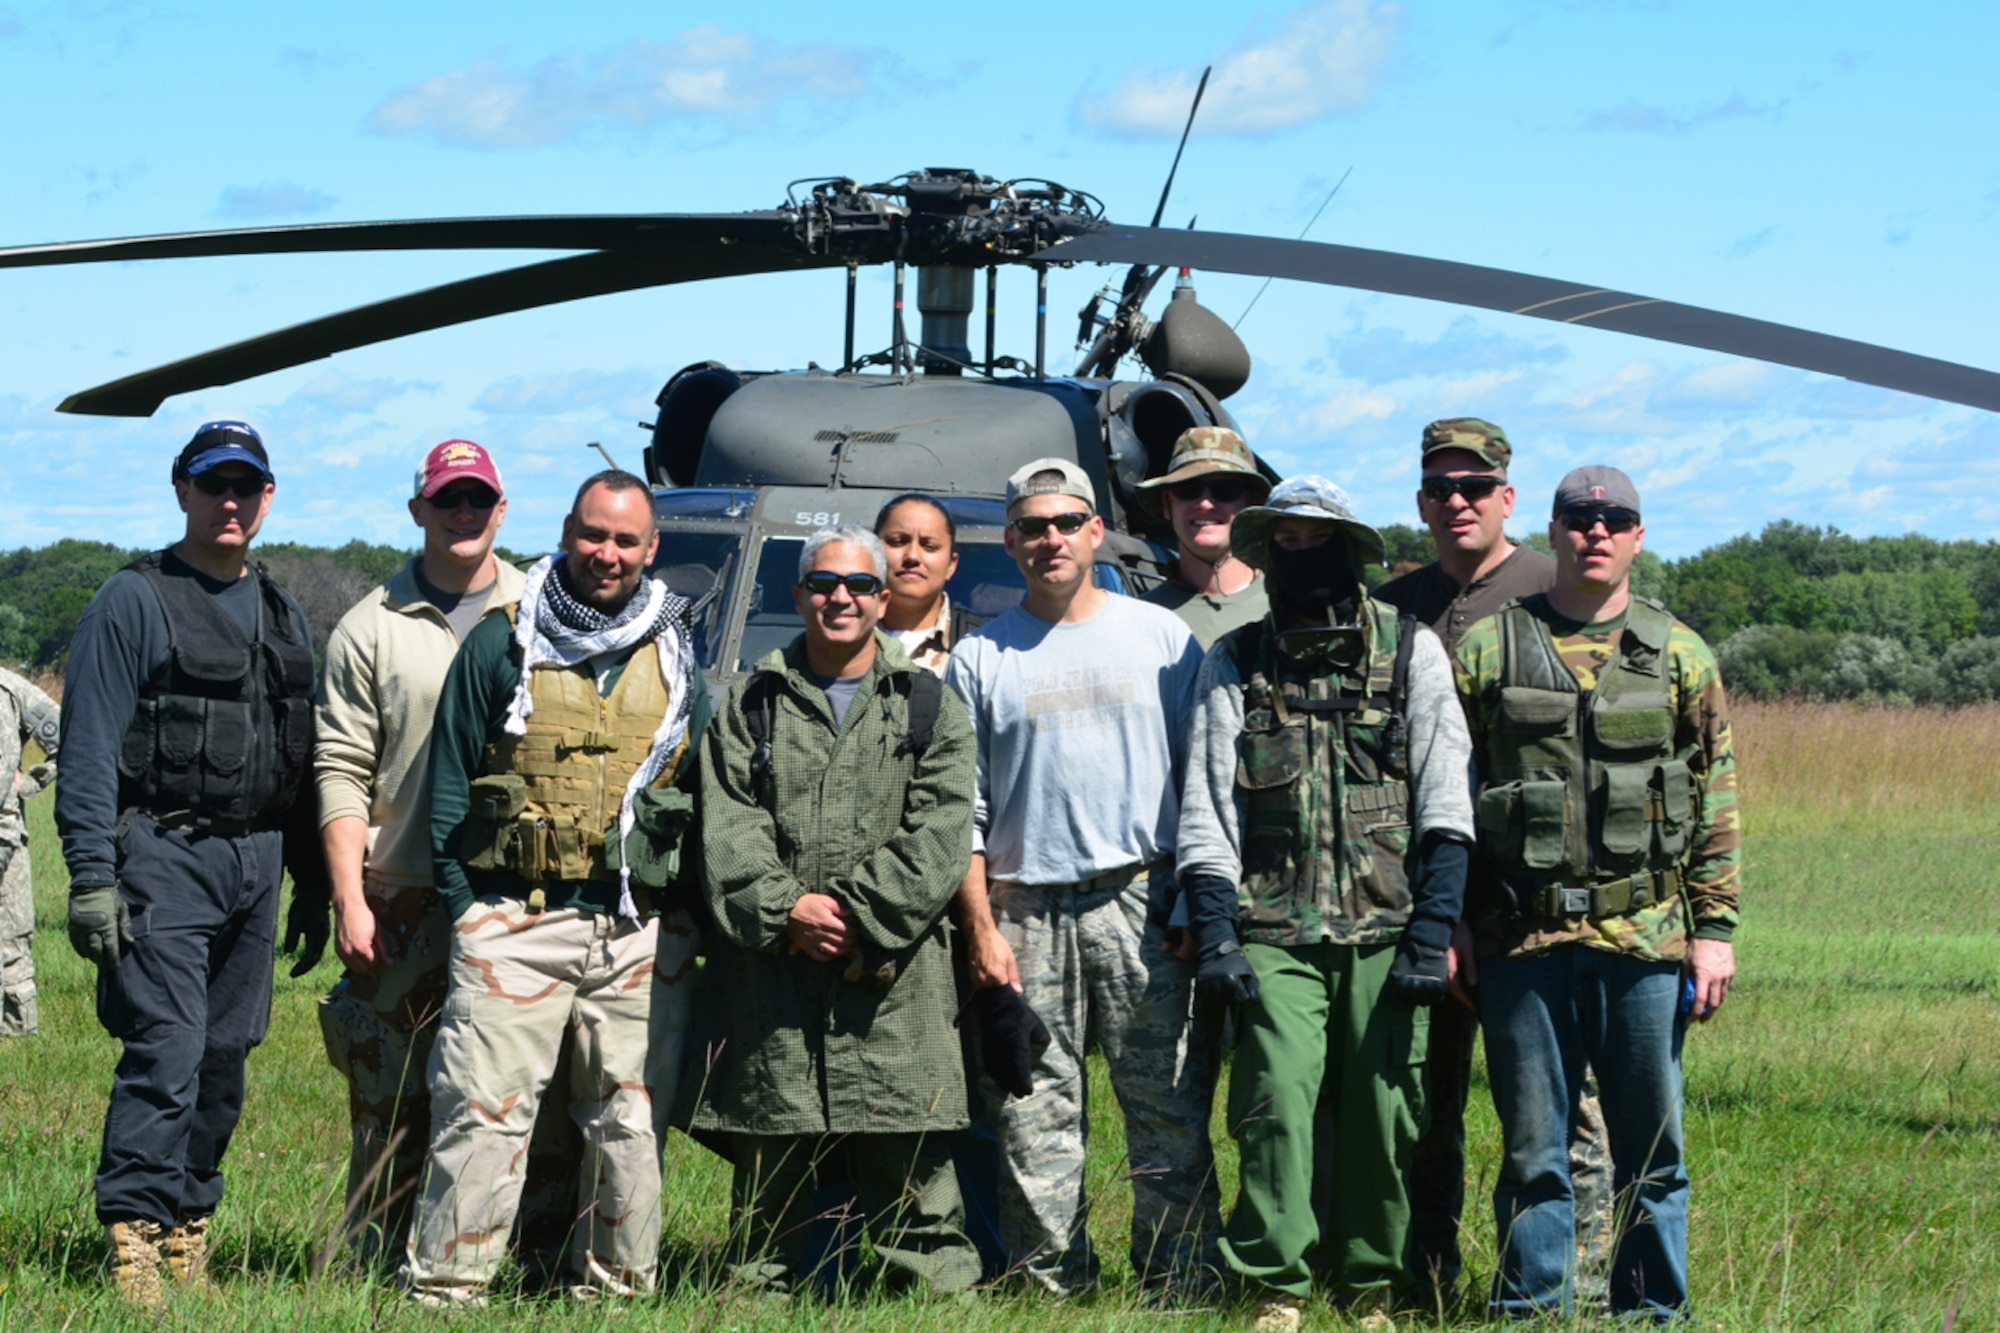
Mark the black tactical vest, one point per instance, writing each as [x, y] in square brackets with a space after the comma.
[223, 732]
[1587, 804]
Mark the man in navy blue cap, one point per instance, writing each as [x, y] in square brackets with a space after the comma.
[187, 745]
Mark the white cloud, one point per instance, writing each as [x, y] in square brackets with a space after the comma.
[280, 199]
[705, 75]
[620, 392]
[1636, 117]
[1323, 60]
[337, 393]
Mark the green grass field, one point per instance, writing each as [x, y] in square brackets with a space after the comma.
[1843, 1111]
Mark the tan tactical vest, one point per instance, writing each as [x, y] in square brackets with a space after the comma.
[1586, 807]
[544, 802]
[1322, 761]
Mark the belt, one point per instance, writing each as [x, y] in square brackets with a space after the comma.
[1124, 875]
[1617, 897]
[200, 823]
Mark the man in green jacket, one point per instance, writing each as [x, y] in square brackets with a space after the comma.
[834, 833]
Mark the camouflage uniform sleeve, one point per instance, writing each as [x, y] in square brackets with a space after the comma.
[1475, 669]
[1717, 846]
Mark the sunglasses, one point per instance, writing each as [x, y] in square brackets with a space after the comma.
[822, 582]
[1474, 489]
[1615, 521]
[481, 498]
[213, 483]
[1222, 490]
[1032, 526]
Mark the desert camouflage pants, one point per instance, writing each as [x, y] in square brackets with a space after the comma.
[379, 1029]
[17, 944]
[1093, 968]
[518, 982]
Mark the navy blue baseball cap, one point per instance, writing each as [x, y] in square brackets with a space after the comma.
[219, 442]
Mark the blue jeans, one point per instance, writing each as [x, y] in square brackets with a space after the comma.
[1547, 1017]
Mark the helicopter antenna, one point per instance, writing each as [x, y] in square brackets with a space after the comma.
[609, 461]
[1302, 235]
[1186, 129]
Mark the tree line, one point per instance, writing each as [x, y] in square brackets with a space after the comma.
[1795, 611]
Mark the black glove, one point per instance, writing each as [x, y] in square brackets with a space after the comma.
[1418, 976]
[1224, 975]
[308, 923]
[1221, 971]
[1011, 1036]
[100, 924]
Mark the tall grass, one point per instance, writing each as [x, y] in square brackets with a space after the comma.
[1843, 1109]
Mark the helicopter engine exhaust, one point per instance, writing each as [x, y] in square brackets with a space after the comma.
[944, 299]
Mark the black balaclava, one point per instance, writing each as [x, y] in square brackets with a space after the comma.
[1316, 580]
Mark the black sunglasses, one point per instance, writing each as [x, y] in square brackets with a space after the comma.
[481, 498]
[1032, 526]
[822, 582]
[1222, 490]
[214, 483]
[1474, 489]
[1615, 521]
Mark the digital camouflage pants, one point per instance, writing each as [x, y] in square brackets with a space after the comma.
[1093, 967]
[518, 982]
[379, 1029]
[17, 944]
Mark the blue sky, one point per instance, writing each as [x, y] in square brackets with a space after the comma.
[1834, 166]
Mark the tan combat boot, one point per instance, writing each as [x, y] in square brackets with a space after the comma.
[184, 1251]
[135, 1261]
[1277, 1312]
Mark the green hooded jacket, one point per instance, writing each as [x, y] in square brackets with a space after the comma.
[784, 1044]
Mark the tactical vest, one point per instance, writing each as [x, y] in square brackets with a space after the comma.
[1323, 762]
[223, 732]
[1587, 806]
[544, 802]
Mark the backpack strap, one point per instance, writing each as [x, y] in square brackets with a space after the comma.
[926, 697]
[760, 715]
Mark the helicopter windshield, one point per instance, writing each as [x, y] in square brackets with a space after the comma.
[987, 582]
[697, 566]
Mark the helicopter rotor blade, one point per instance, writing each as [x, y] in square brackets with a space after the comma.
[525, 288]
[572, 232]
[1540, 298]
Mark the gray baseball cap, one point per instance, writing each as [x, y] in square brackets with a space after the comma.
[1593, 487]
[1306, 496]
[1075, 482]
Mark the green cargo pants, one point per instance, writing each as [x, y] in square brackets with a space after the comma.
[1321, 1020]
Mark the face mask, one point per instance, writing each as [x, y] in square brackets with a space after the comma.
[1314, 581]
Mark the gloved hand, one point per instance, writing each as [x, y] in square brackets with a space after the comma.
[1011, 1037]
[1225, 975]
[1419, 975]
[1221, 971]
[308, 923]
[100, 924]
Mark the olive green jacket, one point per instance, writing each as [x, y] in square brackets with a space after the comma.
[784, 1044]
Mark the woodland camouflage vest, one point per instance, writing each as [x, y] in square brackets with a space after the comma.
[1586, 806]
[1322, 762]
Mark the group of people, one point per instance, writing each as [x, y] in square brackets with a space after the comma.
[929, 864]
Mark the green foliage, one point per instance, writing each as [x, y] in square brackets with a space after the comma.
[1407, 545]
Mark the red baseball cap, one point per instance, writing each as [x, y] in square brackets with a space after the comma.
[454, 460]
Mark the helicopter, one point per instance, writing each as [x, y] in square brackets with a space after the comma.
[746, 464]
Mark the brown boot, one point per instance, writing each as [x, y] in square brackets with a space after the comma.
[135, 1261]
[184, 1251]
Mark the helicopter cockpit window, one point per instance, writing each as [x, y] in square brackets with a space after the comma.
[987, 583]
[697, 566]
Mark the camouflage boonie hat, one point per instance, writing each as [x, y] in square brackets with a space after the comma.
[1301, 497]
[1200, 451]
[1482, 438]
